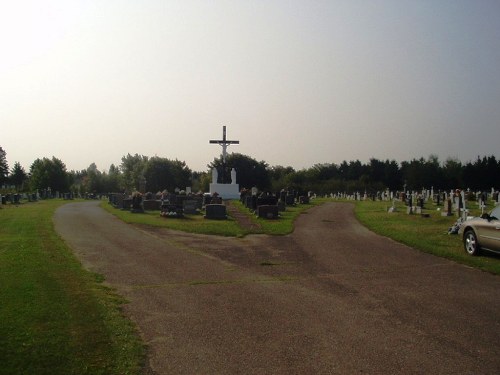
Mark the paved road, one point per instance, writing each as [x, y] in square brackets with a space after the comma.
[332, 298]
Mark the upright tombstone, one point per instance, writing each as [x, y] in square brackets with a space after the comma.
[215, 212]
[447, 208]
[267, 211]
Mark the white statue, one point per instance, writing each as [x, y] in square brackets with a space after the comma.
[215, 175]
[233, 176]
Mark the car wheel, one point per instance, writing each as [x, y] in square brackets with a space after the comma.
[470, 242]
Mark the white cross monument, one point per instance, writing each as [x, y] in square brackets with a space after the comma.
[226, 191]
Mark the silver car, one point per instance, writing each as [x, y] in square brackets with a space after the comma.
[482, 233]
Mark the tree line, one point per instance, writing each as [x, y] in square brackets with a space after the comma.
[139, 172]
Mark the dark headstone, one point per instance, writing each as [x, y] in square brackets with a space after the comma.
[251, 202]
[304, 199]
[190, 207]
[126, 204]
[268, 200]
[215, 211]
[137, 204]
[151, 205]
[447, 208]
[216, 200]
[119, 201]
[207, 199]
[281, 206]
[267, 211]
[290, 200]
[170, 210]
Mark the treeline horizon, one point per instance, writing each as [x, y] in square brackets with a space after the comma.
[158, 174]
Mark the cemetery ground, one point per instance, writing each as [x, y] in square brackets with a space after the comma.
[56, 317]
[249, 304]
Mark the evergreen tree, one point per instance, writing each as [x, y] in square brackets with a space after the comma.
[4, 167]
[18, 176]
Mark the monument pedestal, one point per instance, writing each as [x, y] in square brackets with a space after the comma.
[226, 191]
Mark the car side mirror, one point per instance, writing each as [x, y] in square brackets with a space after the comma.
[485, 216]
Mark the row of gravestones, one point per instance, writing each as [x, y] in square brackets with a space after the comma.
[16, 198]
[10, 198]
[269, 206]
[173, 205]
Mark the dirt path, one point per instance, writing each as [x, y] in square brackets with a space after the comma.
[332, 298]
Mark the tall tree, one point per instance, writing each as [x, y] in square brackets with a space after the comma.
[133, 167]
[18, 176]
[162, 173]
[4, 167]
[49, 173]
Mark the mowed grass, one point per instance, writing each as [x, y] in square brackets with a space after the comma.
[285, 223]
[426, 234]
[56, 318]
[229, 228]
[188, 223]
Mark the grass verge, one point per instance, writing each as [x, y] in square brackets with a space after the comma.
[283, 225]
[426, 234]
[56, 317]
[229, 228]
[189, 223]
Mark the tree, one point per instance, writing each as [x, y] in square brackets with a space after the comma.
[113, 180]
[18, 176]
[49, 173]
[278, 175]
[4, 167]
[162, 173]
[250, 172]
[132, 168]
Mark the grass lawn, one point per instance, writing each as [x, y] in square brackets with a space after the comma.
[229, 228]
[188, 223]
[56, 318]
[426, 234]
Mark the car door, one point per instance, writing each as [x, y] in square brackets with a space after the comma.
[490, 231]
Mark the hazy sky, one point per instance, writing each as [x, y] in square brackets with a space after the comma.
[296, 82]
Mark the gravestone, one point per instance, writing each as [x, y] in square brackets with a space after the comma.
[137, 204]
[267, 211]
[118, 201]
[251, 202]
[447, 208]
[281, 206]
[215, 212]
[207, 199]
[126, 204]
[393, 207]
[170, 210]
[266, 200]
[290, 200]
[303, 199]
[151, 205]
[190, 207]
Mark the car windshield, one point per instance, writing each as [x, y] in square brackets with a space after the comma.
[495, 214]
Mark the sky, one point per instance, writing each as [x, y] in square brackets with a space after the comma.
[296, 82]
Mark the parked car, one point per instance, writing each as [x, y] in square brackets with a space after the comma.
[482, 233]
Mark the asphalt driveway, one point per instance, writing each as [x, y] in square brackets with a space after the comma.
[331, 298]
